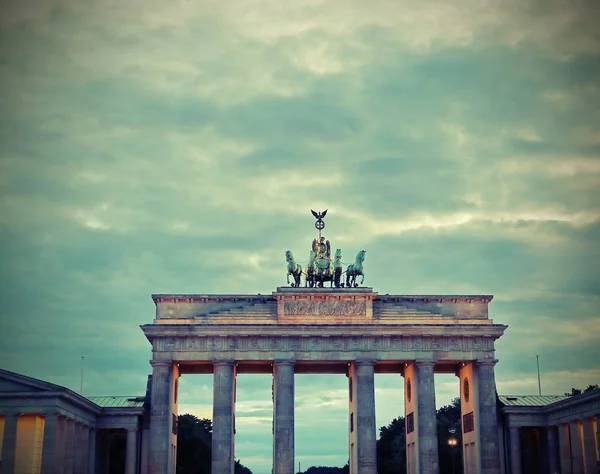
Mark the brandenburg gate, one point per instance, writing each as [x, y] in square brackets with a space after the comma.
[350, 330]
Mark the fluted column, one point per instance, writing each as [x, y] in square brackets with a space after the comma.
[565, 449]
[576, 447]
[92, 445]
[283, 423]
[553, 450]
[421, 422]
[489, 443]
[77, 447]
[9, 445]
[50, 446]
[131, 451]
[589, 446]
[223, 417]
[363, 404]
[161, 418]
[426, 420]
[514, 434]
[69, 446]
[84, 449]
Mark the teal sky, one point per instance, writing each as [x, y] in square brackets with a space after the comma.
[178, 147]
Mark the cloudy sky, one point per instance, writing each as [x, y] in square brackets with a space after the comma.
[177, 147]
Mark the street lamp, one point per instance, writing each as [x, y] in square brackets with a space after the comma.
[452, 442]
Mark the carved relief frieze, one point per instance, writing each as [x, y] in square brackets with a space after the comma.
[233, 343]
[337, 343]
[436, 344]
[417, 343]
[376, 343]
[355, 344]
[396, 343]
[277, 344]
[316, 344]
[195, 343]
[295, 343]
[216, 343]
[453, 343]
[325, 308]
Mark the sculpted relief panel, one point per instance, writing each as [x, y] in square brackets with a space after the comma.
[324, 308]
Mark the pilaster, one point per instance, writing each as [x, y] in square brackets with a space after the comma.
[223, 417]
[488, 418]
[9, 444]
[283, 422]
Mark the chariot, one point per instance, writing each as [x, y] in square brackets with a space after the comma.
[321, 267]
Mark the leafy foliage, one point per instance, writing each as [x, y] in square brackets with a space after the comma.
[391, 446]
[578, 391]
[194, 438]
[327, 470]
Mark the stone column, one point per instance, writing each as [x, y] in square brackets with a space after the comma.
[364, 416]
[589, 446]
[426, 420]
[131, 452]
[9, 444]
[576, 447]
[553, 450]
[50, 446]
[283, 423]
[77, 447]
[514, 434]
[92, 446]
[564, 442]
[69, 446]
[161, 418]
[223, 417]
[84, 449]
[488, 418]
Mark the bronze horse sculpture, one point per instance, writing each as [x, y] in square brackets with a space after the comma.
[355, 269]
[293, 269]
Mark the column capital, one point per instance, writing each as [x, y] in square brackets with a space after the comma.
[291, 362]
[132, 429]
[486, 362]
[368, 362]
[425, 363]
[160, 363]
[223, 362]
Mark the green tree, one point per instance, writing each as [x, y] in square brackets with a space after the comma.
[326, 470]
[391, 448]
[194, 439]
[449, 427]
[391, 445]
[578, 391]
